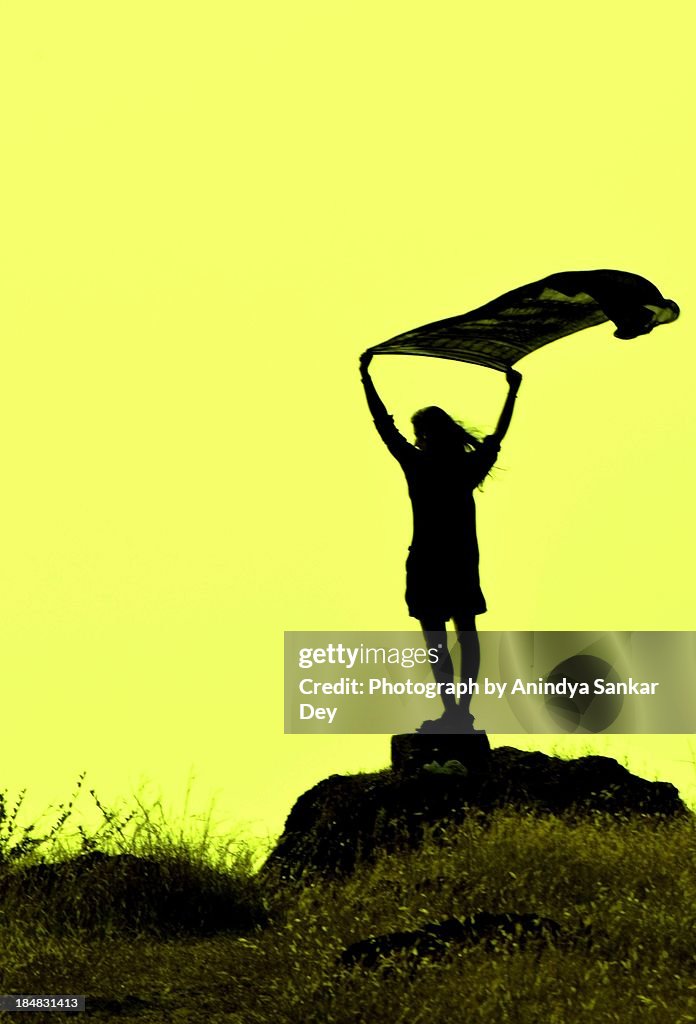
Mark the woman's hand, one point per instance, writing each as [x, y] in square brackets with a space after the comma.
[514, 379]
[365, 360]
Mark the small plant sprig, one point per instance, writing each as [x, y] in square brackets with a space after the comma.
[15, 840]
[18, 841]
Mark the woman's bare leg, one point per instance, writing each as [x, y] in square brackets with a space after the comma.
[471, 656]
[435, 635]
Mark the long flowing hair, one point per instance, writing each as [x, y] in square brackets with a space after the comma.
[445, 433]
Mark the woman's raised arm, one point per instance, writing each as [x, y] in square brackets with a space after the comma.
[395, 442]
[514, 379]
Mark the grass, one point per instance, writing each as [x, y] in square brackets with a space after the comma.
[131, 876]
[223, 948]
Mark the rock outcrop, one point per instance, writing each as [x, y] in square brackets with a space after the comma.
[495, 931]
[437, 781]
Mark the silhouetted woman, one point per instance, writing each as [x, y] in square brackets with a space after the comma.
[442, 579]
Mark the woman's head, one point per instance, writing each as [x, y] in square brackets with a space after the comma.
[436, 431]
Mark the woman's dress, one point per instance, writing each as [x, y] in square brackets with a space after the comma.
[442, 568]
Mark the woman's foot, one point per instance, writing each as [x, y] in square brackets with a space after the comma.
[456, 721]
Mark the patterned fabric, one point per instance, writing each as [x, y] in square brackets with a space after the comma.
[500, 333]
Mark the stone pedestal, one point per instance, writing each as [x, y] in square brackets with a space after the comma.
[411, 751]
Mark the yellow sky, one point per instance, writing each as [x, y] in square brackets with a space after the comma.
[208, 211]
